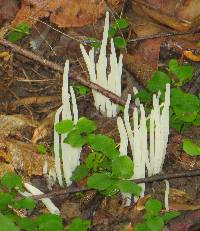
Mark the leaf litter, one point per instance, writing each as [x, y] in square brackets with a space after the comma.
[141, 59]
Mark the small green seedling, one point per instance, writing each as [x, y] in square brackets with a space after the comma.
[19, 32]
[78, 224]
[191, 148]
[182, 72]
[153, 221]
[10, 206]
[185, 107]
[41, 148]
[81, 90]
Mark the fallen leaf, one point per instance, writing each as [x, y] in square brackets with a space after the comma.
[191, 56]
[8, 9]
[5, 55]
[71, 13]
[11, 124]
[4, 167]
[44, 129]
[141, 202]
[182, 206]
[24, 157]
[179, 15]
[33, 100]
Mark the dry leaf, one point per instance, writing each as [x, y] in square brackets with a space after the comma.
[70, 13]
[11, 124]
[179, 15]
[45, 128]
[4, 167]
[24, 157]
[182, 206]
[5, 55]
[191, 56]
[33, 100]
[8, 9]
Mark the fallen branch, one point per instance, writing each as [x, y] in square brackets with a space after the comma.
[142, 180]
[169, 34]
[113, 97]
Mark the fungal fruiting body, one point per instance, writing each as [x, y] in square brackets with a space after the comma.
[146, 155]
[98, 73]
[70, 155]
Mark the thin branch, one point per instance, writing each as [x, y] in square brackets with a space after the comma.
[113, 97]
[142, 180]
[169, 34]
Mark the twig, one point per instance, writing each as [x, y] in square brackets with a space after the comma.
[113, 97]
[142, 180]
[169, 34]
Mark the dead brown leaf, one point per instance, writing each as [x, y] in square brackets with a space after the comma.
[8, 9]
[24, 157]
[71, 13]
[4, 167]
[182, 206]
[10, 124]
[33, 100]
[44, 129]
[179, 15]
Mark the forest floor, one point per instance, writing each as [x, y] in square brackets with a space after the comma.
[30, 93]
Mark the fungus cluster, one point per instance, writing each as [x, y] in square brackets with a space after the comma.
[98, 73]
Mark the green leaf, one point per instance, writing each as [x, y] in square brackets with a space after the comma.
[111, 32]
[27, 224]
[18, 32]
[85, 125]
[94, 42]
[104, 144]
[120, 42]
[64, 126]
[12, 180]
[100, 181]
[176, 123]
[5, 200]
[7, 224]
[198, 44]
[158, 82]
[80, 172]
[185, 106]
[141, 227]
[173, 64]
[49, 222]
[81, 89]
[122, 167]
[79, 225]
[129, 187]
[75, 139]
[197, 120]
[93, 160]
[121, 23]
[144, 96]
[182, 72]
[170, 215]
[25, 203]
[191, 148]
[153, 207]
[155, 223]
[41, 148]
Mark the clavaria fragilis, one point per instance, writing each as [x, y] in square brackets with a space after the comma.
[70, 155]
[98, 73]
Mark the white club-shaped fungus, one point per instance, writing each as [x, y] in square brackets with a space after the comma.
[147, 156]
[70, 155]
[98, 73]
[46, 201]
